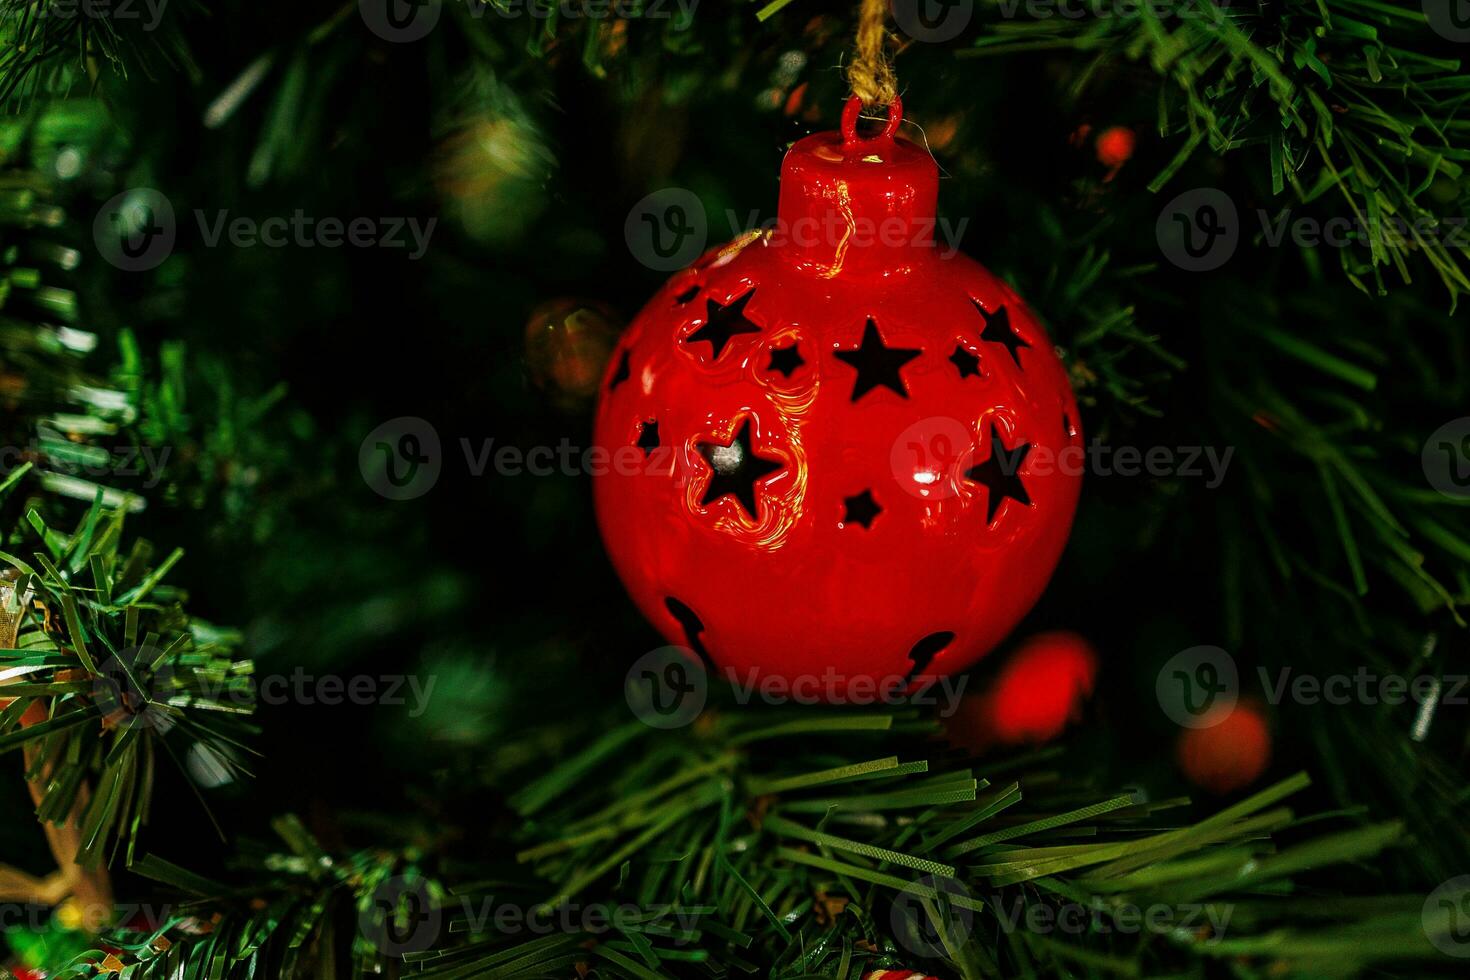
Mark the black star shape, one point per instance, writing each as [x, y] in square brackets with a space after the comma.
[786, 360]
[998, 331]
[861, 508]
[623, 373]
[735, 469]
[876, 364]
[723, 322]
[648, 437]
[1000, 475]
[967, 363]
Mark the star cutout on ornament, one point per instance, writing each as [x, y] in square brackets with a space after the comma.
[967, 363]
[723, 322]
[877, 365]
[692, 626]
[860, 508]
[926, 650]
[623, 372]
[998, 330]
[735, 469]
[648, 437]
[786, 360]
[1000, 475]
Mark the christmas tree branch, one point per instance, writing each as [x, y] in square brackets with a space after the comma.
[804, 845]
[1359, 107]
[102, 667]
[51, 48]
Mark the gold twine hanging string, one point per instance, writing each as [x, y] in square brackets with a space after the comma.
[871, 75]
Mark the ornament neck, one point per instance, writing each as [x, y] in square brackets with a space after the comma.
[856, 205]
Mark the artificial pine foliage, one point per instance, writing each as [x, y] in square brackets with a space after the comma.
[184, 446]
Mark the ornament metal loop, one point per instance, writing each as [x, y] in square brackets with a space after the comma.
[850, 113]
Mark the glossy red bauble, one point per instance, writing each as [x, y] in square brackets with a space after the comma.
[838, 447]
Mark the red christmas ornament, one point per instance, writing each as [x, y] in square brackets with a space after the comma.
[1037, 694]
[838, 447]
[1043, 687]
[1229, 754]
[1115, 146]
[567, 346]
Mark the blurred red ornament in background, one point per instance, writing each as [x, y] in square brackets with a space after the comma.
[858, 455]
[794, 100]
[1039, 691]
[568, 343]
[1043, 687]
[1228, 754]
[1115, 147]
